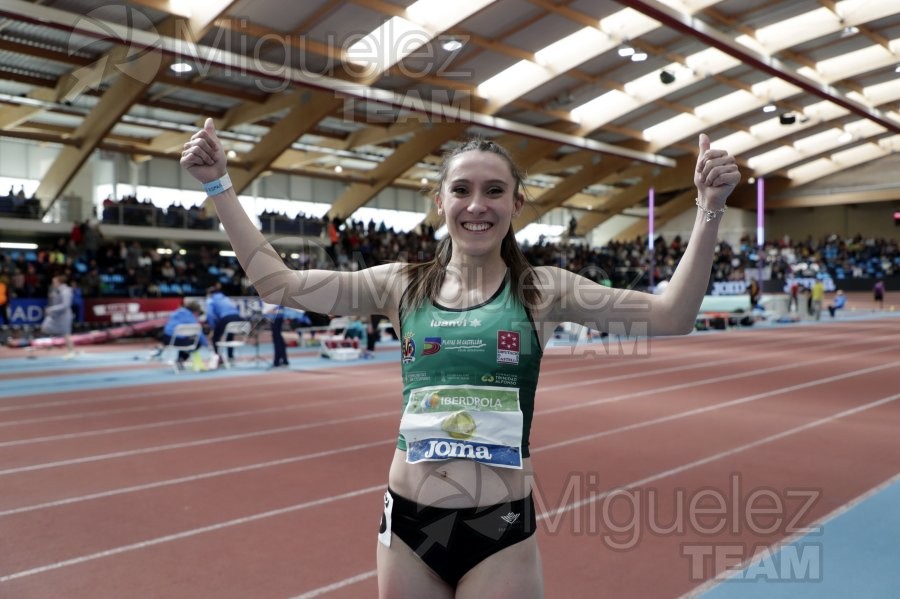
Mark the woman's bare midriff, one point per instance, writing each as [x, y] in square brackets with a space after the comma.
[458, 483]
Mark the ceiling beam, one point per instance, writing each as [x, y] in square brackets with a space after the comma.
[565, 189]
[310, 107]
[428, 139]
[137, 72]
[664, 214]
[702, 32]
[833, 198]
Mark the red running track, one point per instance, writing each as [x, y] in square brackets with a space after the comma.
[271, 486]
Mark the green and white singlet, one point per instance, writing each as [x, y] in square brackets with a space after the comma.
[469, 379]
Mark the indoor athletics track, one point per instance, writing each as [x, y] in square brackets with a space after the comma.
[760, 462]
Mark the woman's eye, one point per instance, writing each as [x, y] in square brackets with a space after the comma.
[495, 191]
[458, 190]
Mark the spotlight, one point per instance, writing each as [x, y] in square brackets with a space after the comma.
[770, 108]
[451, 44]
[786, 118]
[666, 77]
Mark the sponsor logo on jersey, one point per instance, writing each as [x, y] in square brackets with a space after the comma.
[502, 378]
[431, 346]
[408, 349]
[451, 449]
[463, 322]
[507, 347]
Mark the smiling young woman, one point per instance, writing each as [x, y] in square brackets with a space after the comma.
[458, 516]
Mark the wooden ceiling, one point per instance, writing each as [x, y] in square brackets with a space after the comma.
[381, 88]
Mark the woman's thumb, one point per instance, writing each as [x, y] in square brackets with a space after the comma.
[704, 142]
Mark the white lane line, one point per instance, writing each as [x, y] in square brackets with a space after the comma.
[197, 443]
[766, 341]
[195, 477]
[191, 533]
[164, 423]
[709, 381]
[200, 442]
[593, 436]
[96, 432]
[644, 481]
[337, 585]
[252, 385]
[722, 454]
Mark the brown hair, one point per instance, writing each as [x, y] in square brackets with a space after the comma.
[425, 278]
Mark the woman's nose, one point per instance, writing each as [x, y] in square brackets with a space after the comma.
[477, 203]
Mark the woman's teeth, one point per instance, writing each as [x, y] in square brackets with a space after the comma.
[476, 226]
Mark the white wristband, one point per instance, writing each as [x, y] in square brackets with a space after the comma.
[710, 214]
[214, 188]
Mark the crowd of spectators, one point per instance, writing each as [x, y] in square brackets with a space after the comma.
[17, 205]
[117, 267]
[131, 211]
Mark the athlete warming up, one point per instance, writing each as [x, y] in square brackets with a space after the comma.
[459, 518]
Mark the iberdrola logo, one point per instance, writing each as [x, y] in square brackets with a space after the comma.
[408, 349]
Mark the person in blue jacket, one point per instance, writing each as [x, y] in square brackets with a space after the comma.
[187, 314]
[840, 300]
[219, 312]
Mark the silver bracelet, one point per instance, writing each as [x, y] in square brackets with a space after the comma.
[710, 214]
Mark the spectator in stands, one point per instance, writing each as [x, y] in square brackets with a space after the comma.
[58, 314]
[793, 294]
[840, 300]
[186, 314]
[77, 302]
[275, 314]
[220, 310]
[4, 299]
[878, 294]
[753, 292]
[817, 296]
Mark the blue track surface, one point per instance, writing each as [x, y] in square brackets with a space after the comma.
[855, 555]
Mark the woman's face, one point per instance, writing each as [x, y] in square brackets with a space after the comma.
[478, 199]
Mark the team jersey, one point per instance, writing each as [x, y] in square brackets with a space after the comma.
[469, 379]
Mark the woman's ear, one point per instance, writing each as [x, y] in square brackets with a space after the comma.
[439, 204]
[518, 202]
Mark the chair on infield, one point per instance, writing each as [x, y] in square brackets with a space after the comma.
[235, 335]
[185, 338]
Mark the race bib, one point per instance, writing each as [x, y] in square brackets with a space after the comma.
[483, 424]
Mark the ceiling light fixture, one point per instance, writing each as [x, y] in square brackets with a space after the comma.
[787, 118]
[339, 169]
[849, 30]
[452, 44]
[181, 67]
[639, 57]
[770, 108]
[626, 51]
